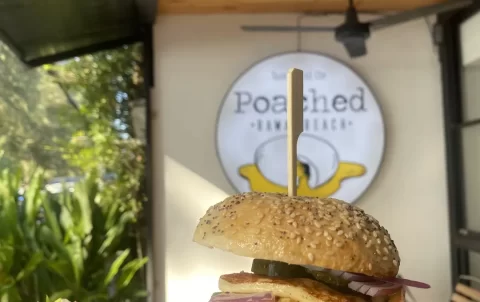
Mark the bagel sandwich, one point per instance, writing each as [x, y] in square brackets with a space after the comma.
[304, 249]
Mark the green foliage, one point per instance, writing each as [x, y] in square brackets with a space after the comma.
[34, 117]
[65, 246]
[72, 118]
[104, 84]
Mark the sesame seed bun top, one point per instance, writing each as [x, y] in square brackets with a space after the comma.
[323, 232]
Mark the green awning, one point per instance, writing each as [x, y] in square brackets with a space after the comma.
[43, 31]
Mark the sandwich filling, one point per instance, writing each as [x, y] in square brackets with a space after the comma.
[273, 281]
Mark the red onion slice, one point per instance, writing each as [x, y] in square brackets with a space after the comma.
[345, 275]
[356, 277]
[364, 278]
[406, 282]
[374, 289]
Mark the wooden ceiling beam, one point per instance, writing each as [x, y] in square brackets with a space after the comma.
[284, 6]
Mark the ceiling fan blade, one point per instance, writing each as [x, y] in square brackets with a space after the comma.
[420, 12]
[356, 48]
[288, 28]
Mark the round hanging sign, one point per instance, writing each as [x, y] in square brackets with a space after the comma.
[340, 149]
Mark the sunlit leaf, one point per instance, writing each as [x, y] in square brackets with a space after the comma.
[61, 295]
[129, 271]
[115, 267]
[31, 265]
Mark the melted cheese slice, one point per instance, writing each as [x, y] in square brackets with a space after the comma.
[300, 290]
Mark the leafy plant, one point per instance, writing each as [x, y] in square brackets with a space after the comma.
[35, 117]
[72, 119]
[104, 85]
[65, 246]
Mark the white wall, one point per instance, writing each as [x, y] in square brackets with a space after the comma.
[470, 40]
[198, 57]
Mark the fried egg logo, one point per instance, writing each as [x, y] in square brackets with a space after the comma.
[341, 148]
[320, 171]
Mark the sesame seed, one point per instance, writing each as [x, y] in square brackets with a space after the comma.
[379, 252]
[311, 257]
[304, 216]
[299, 239]
[385, 258]
[395, 262]
[370, 266]
[339, 244]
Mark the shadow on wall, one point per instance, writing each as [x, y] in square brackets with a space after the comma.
[192, 270]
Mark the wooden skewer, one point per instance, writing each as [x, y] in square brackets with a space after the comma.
[294, 124]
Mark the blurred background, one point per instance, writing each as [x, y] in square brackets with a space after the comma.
[108, 141]
[73, 152]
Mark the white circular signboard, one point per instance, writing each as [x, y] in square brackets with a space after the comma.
[341, 148]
